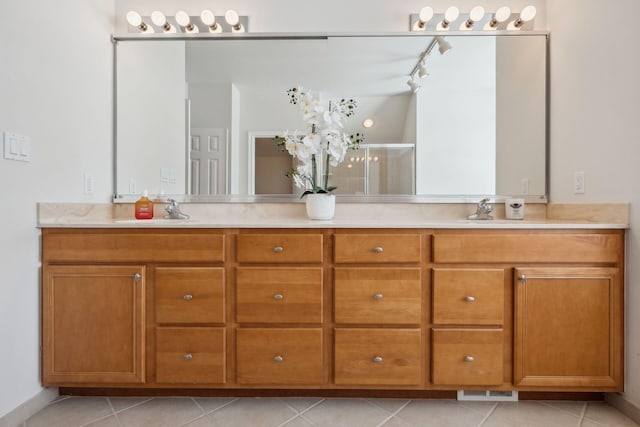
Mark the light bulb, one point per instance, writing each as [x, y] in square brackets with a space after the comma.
[182, 18]
[133, 18]
[526, 15]
[476, 14]
[158, 18]
[425, 15]
[502, 14]
[232, 17]
[451, 14]
[367, 123]
[208, 18]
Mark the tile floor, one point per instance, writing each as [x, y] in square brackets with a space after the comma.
[304, 412]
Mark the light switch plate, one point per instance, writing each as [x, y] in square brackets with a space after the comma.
[17, 147]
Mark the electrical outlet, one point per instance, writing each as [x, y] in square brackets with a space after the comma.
[524, 186]
[88, 183]
[578, 183]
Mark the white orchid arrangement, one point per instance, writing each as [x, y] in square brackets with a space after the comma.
[324, 136]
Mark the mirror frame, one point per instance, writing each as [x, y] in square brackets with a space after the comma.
[189, 198]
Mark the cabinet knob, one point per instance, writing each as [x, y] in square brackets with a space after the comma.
[469, 298]
[522, 278]
[278, 297]
[378, 249]
[378, 359]
[469, 358]
[187, 356]
[278, 249]
[278, 358]
[187, 297]
[378, 297]
[137, 277]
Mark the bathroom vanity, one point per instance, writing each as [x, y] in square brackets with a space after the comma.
[333, 307]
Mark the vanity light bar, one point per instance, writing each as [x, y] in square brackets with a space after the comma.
[182, 22]
[476, 19]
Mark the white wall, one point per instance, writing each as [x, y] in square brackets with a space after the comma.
[595, 93]
[56, 86]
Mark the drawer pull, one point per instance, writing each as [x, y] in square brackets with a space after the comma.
[522, 278]
[378, 249]
[378, 297]
[378, 359]
[278, 297]
[188, 356]
[187, 297]
[137, 277]
[469, 298]
[278, 358]
[278, 249]
[469, 358]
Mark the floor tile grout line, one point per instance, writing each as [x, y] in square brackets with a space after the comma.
[307, 420]
[549, 405]
[311, 407]
[386, 420]
[198, 405]
[234, 399]
[104, 417]
[147, 399]
[491, 411]
[113, 409]
[288, 420]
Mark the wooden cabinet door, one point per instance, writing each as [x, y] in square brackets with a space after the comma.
[93, 324]
[569, 328]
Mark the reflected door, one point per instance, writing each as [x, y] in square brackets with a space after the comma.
[208, 161]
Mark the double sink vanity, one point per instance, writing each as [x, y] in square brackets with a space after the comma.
[255, 298]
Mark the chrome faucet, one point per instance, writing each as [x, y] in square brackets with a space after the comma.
[483, 210]
[173, 210]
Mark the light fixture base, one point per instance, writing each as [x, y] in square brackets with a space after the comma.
[195, 20]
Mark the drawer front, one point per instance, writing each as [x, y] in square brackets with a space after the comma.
[279, 356]
[129, 245]
[190, 355]
[529, 247]
[468, 296]
[467, 356]
[377, 248]
[378, 295]
[189, 295]
[378, 356]
[280, 248]
[279, 295]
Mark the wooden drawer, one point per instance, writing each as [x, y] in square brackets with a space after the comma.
[132, 245]
[467, 356]
[377, 248]
[378, 295]
[468, 296]
[280, 248]
[189, 295]
[190, 355]
[531, 247]
[378, 356]
[279, 356]
[279, 295]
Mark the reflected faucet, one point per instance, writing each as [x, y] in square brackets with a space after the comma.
[483, 210]
[173, 210]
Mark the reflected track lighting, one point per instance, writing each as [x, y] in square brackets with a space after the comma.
[415, 86]
[420, 68]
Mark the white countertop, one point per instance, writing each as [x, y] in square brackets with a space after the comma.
[353, 215]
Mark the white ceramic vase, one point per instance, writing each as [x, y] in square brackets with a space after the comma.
[320, 205]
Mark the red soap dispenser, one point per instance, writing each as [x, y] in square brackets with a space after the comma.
[144, 207]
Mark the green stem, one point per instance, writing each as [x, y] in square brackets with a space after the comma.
[314, 171]
[326, 173]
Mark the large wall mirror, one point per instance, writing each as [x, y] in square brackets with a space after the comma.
[196, 118]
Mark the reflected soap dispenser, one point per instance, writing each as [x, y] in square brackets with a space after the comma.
[144, 207]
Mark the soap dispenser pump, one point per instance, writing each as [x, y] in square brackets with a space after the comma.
[144, 207]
